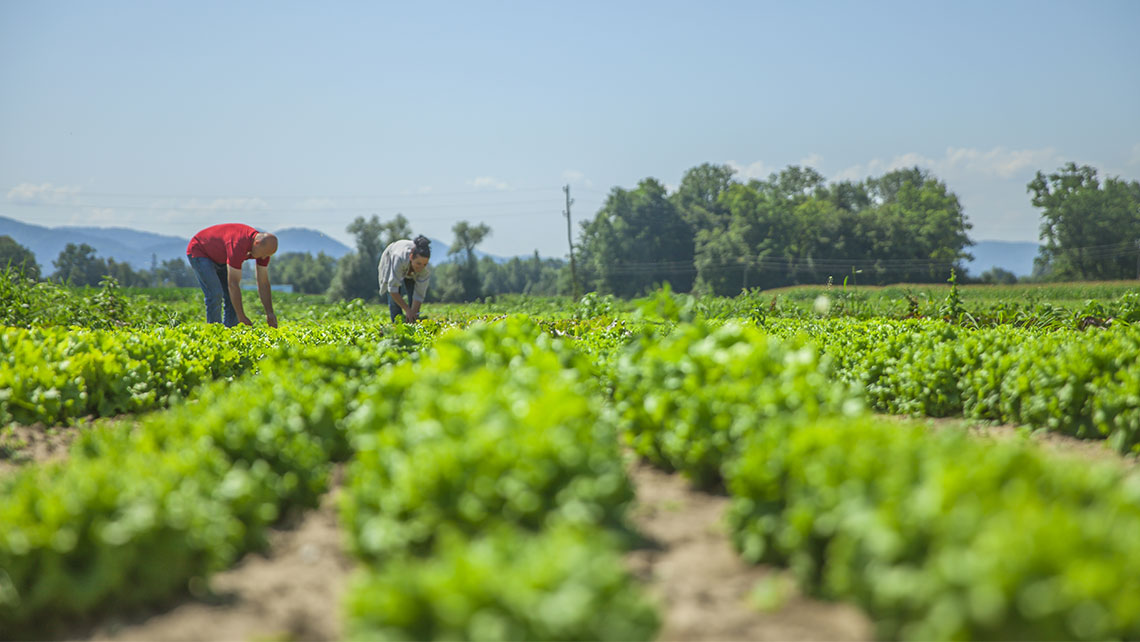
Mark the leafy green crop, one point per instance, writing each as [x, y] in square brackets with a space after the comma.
[495, 426]
[487, 496]
[563, 583]
[686, 400]
[1084, 384]
[944, 536]
[52, 375]
[28, 303]
[135, 513]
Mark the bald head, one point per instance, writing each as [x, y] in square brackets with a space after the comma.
[264, 244]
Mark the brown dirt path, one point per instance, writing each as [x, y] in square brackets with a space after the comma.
[20, 445]
[705, 590]
[689, 566]
[291, 593]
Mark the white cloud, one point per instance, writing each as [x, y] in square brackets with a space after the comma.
[29, 193]
[576, 177]
[761, 170]
[488, 182]
[812, 160]
[755, 170]
[1135, 159]
[877, 166]
[999, 163]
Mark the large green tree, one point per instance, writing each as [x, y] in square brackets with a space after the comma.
[729, 254]
[765, 232]
[637, 240]
[18, 257]
[922, 227]
[698, 197]
[1090, 229]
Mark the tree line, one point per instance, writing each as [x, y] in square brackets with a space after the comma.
[717, 234]
[457, 274]
[77, 264]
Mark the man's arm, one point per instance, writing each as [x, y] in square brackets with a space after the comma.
[266, 294]
[234, 278]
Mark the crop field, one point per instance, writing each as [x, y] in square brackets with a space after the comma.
[943, 463]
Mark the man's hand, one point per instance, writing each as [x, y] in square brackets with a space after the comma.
[271, 319]
[411, 317]
[244, 319]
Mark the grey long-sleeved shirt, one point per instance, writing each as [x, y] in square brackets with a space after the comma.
[395, 264]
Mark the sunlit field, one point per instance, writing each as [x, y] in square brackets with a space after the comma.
[491, 470]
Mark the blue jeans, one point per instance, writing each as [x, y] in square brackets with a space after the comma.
[407, 289]
[214, 281]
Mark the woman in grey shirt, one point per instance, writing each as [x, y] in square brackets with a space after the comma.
[404, 270]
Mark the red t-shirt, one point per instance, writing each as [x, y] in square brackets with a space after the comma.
[228, 244]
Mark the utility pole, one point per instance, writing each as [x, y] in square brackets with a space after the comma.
[570, 240]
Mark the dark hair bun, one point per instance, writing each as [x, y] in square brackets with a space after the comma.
[423, 246]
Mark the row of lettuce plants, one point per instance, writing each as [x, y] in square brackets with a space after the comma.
[487, 497]
[940, 535]
[484, 474]
[1083, 384]
[54, 375]
[936, 535]
[136, 512]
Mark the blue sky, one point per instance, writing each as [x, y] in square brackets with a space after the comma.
[171, 116]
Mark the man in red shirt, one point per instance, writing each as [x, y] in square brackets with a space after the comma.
[216, 254]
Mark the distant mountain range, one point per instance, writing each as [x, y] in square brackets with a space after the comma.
[121, 244]
[302, 239]
[139, 248]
